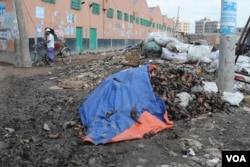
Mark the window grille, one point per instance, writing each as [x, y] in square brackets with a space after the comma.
[126, 16]
[132, 19]
[137, 20]
[119, 14]
[96, 8]
[76, 4]
[50, 1]
[110, 13]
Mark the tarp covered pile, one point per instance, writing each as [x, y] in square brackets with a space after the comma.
[107, 110]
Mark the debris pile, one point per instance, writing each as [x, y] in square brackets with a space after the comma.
[175, 82]
[172, 84]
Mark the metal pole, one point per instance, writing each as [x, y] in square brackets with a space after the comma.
[227, 45]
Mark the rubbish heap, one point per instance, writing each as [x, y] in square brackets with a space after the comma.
[177, 88]
[184, 87]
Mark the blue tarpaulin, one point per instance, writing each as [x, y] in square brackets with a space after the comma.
[120, 92]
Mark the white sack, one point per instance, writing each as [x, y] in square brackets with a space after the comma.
[150, 37]
[206, 60]
[243, 64]
[178, 46]
[164, 40]
[186, 46]
[215, 55]
[243, 59]
[242, 68]
[206, 87]
[213, 66]
[168, 55]
[195, 52]
[233, 98]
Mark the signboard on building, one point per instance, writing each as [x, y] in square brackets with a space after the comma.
[39, 12]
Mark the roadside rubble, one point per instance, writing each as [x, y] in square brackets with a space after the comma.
[190, 80]
[188, 89]
[31, 105]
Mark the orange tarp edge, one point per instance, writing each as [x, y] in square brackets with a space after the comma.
[149, 124]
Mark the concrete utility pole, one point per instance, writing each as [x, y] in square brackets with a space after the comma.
[227, 45]
[22, 44]
[177, 23]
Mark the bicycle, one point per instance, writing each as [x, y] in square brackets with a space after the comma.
[39, 54]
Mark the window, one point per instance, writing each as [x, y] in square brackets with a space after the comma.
[110, 13]
[137, 20]
[96, 8]
[150, 23]
[147, 23]
[141, 21]
[119, 14]
[50, 1]
[125, 16]
[76, 4]
[132, 19]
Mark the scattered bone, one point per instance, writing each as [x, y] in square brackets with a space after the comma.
[53, 136]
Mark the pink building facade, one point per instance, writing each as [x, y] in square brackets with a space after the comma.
[86, 25]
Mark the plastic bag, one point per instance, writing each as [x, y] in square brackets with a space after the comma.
[184, 98]
[210, 87]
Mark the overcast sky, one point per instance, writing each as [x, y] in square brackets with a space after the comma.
[194, 10]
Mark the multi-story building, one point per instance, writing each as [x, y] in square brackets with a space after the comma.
[200, 25]
[212, 27]
[84, 24]
[207, 26]
[183, 26]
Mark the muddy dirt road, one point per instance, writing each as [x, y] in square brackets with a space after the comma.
[38, 129]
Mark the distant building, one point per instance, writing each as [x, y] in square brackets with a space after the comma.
[200, 25]
[212, 27]
[183, 26]
[206, 26]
